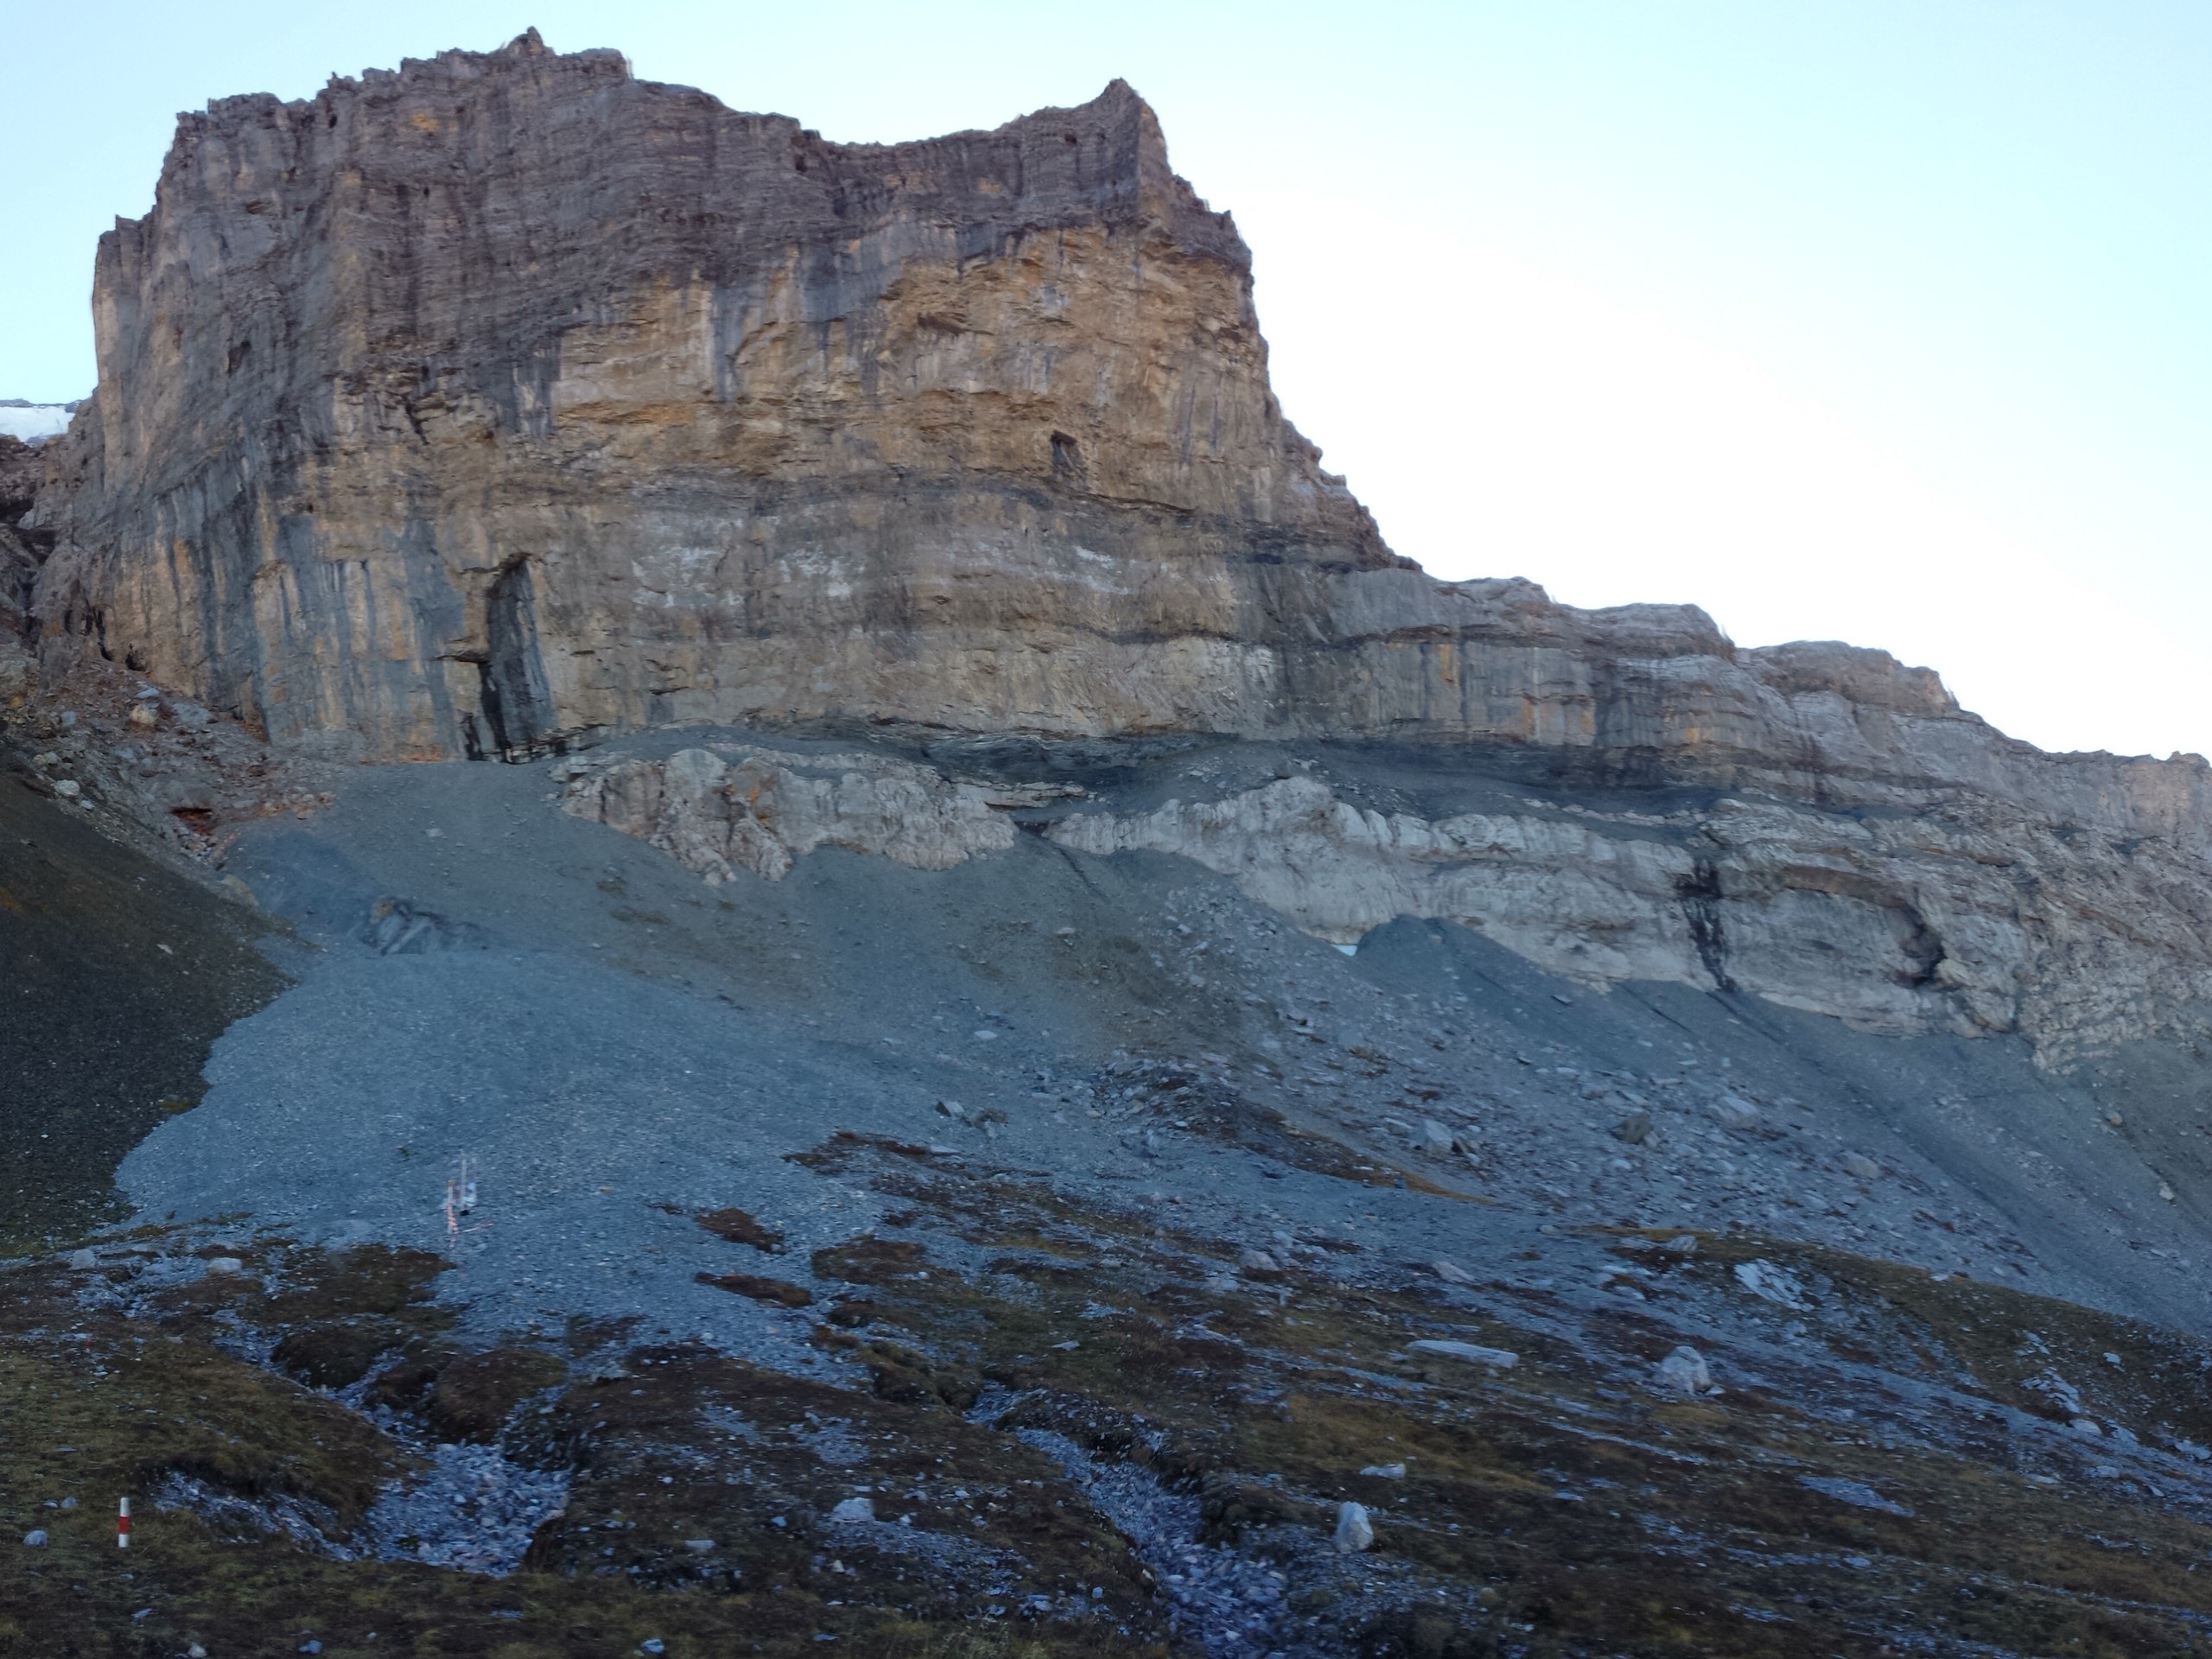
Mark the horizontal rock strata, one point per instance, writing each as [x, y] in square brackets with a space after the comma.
[761, 811]
[1990, 923]
[506, 398]
[510, 390]
[1981, 922]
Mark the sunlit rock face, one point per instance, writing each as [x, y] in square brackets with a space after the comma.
[505, 396]
[509, 386]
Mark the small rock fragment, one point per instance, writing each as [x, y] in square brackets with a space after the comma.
[2165, 1192]
[1472, 1352]
[1860, 1167]
[854, 1510]
[67, 788]
[701, 1545]
[1684, 1371]
[1258, 1261]
[82, 1260]
[1634, 1129]
[223, 1266]
[1355, 1532]
[1385, 1471]
[1681, 1245]
[1735, 1112]
[2088, 1425]
[1435, 1138]
[1770, 1283]
[35, 1537]
[1450, 1272]
[1857, 1493]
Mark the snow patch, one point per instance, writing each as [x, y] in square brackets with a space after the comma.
[34, 422]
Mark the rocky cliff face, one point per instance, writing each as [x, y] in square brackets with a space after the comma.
[510, 390]
[506, 396]
[20, 474]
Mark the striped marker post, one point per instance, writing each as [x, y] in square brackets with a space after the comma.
[122, 1525]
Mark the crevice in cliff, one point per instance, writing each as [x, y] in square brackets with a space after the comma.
[1922, 947]
[1700, 893]
[516, 705]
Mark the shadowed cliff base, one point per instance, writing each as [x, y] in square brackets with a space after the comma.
[119, 974]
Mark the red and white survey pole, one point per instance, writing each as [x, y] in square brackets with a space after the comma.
[122, 1525]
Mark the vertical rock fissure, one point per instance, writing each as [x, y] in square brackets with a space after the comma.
[517, 707]
[1700, 892]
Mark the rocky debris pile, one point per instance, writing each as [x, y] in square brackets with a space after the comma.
[471, 1509]
[148, 765]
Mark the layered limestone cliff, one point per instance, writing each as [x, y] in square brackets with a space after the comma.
[510, 390]
[507, 394]
[506, 397]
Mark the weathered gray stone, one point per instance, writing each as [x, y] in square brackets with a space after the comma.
[1684, 1371]
[1355, 1531]
[1473, 1353]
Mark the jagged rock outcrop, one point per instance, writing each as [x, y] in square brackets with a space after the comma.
[1978, 920]
[21, 472]
[22, 551]
[506, 393]
[762, 812]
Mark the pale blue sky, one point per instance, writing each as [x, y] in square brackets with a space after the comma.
[1884, 322]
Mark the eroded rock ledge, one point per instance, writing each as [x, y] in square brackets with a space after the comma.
[761, 811]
